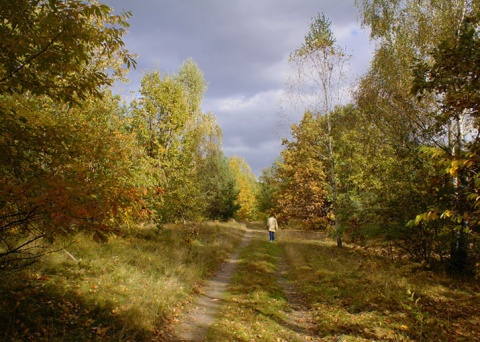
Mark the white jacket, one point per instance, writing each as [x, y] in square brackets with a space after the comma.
[272, 224]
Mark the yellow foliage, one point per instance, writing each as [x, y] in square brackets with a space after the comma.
[246, 185]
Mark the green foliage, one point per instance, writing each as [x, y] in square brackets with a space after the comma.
[268, 186]
[218, 186]
[191, 77]
[358, 192]
[62, 49]
[247, 189]
[177, 137]
[452, 76]
[420, 94]
[160, 122]
[84, 176]
[319, 38]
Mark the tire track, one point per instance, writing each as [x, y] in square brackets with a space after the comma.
[299, 316]
[194, 323]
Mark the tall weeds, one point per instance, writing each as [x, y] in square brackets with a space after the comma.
[123, 290]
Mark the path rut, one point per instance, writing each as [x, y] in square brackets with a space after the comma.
[193, 324]
[299, 318]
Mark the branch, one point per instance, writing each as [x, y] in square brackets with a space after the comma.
[70, 255]
[29, 60]
[28, 216]
[18, 248]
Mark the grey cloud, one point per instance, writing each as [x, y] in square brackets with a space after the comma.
[242, 47]
[232, 41]
[258, 158]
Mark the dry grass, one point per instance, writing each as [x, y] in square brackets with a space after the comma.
[255, 309]
[357, 296]
[127, 289]
[123, 290]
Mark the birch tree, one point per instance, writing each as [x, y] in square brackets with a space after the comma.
[318, 86]
[453, 77]
[177, 137]
[418, 92]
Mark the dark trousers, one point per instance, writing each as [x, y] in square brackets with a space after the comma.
[272, 235]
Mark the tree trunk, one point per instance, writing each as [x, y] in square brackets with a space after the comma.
[333, 183]
[459, 247]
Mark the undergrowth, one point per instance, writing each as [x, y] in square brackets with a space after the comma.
[355, 295]
[123, 290]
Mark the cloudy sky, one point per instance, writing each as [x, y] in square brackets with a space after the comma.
[242, 48]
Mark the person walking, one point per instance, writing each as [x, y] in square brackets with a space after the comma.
[272, 226]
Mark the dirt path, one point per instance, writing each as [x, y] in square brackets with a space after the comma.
[300, 318]
[193, 324]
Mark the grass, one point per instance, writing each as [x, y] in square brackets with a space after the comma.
[353, 295]
[359, 296]
[124, 290]
[130, 288]
[255, 307]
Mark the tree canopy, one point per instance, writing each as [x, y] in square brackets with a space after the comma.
[63, 49]
[74, 157]
[401, 162]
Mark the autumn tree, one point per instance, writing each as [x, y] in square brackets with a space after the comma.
[320, 75]
[66, 164]
[356, 144]
[247, 188]
[452, 76]
[414, 50]
[205, 135]
[302, 194]
[219, 188]
[86, 176]
[177, 137]
[64, 49]
[161, 119]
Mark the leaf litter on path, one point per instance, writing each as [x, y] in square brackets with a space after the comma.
[193, 324]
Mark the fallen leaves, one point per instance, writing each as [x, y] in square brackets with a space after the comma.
[93, 288]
